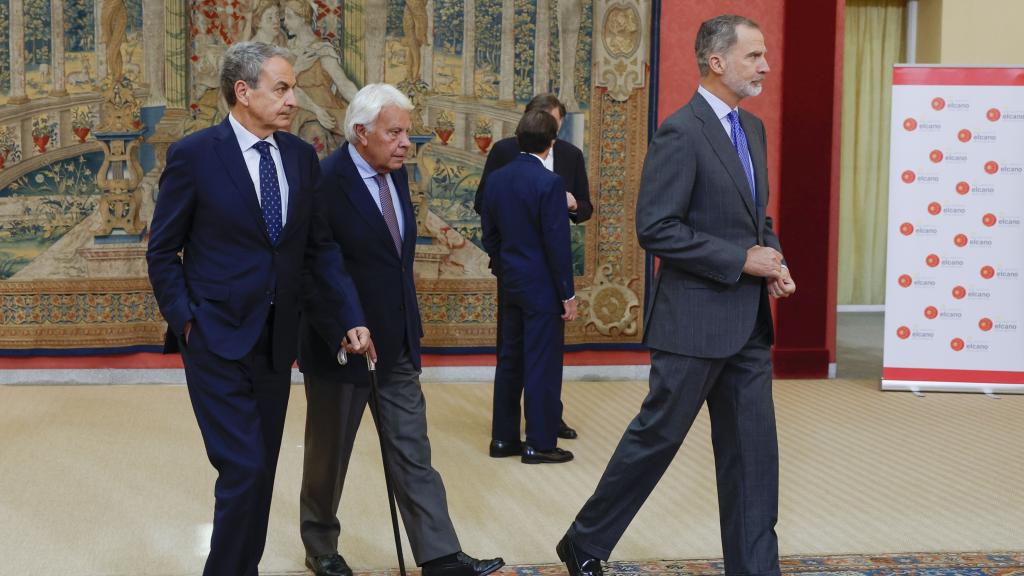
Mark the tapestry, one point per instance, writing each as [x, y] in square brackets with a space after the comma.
[94, 91]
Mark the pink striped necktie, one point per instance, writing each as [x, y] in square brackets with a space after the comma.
[387, 209]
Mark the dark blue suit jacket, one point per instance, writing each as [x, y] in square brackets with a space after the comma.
[384, 280]
[526, 234]
[229, 272]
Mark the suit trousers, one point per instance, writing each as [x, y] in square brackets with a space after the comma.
[529, 364]
[334, 411]
[240, 406]
[738, 391]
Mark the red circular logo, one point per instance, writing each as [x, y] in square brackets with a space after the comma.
[934, 208]
[993, 114]
[959, 292]
[905, 280]
[985, 324]
[931, 312]
[903, 332]
[935, 156]
[991, 167]
[910, 124]
[989, 219]
[938, 103]
[906, 228]
[908, 176]
[964, 135]
[956, 344]
[962, 188]
[960, 240]
[987, 272]
[932, 260]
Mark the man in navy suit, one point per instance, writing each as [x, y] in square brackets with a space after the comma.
[365, 189]
[236, 220]
[526, 234]
[701, 210]
[565, 160]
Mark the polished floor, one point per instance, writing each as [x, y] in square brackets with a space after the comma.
[113, 480]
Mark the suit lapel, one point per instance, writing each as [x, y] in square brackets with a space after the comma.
[290, 159]
[722, 145]
[401, 180]
[758, 157]
[234, 164]
[561, 160]
[361, 198]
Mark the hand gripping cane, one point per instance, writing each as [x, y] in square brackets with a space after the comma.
[375, 412]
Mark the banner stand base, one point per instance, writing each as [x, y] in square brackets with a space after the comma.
[916, 387]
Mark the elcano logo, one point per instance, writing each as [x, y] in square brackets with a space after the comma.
[938, 103]
[959, 292]
[985, 324]
[964, 135]
[993, 114]
[962, 188]
[910, 124]
[905, 280]
[956, 344]
[906, 228]
[960, 240]
[989, 219]
[934, 208]
[932, 260]
[987, 272]
[931, 312]
[908, 176]
[903, 332]
[935, 156]
[991, 167]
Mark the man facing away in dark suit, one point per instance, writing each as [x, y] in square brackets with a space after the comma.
[565, 160]
[527, 237]
[237, 201]
[701, 210]
[365, 188]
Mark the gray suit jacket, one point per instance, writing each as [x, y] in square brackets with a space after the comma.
[696, 213]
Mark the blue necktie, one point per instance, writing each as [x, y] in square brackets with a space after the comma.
[739, 141]
[270, 191]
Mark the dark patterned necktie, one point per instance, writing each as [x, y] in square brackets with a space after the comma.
[270, 191]
[739, 141]
[387, 208]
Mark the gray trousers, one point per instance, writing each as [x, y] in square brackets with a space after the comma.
[738, 391]
[334, 411]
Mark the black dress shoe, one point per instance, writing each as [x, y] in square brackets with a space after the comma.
[553, 456]
[502, 449]
[565, 432]
[578, 563]
[462, 565]
[328, 565]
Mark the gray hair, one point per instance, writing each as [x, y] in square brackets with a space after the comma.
[367, 104]
[717, 36]
[244, 61]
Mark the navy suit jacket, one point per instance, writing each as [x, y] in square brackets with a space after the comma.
[695, 211]
[569, 165]
[383, 279]
[526, 234]
[229, 273]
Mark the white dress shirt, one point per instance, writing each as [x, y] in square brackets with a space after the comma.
[246, 141]
[369, 176]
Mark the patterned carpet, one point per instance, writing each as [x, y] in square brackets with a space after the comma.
[919, 564]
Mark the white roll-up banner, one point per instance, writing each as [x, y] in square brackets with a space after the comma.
[954, 302]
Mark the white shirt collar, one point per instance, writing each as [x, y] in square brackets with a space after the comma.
[721, 108]
[364, 168]
[247, 139]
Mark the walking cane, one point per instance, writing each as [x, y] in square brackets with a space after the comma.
[375, 412]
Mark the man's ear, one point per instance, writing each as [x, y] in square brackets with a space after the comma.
[361, 133]
[242, 92]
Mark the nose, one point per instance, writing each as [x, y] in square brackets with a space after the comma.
[405, 140]
[289, 98]
[763, 68]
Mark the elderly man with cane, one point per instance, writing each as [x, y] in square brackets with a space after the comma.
[365, 189]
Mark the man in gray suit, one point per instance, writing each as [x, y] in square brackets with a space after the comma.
[701, 210]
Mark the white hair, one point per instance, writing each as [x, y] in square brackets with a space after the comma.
[367, 104]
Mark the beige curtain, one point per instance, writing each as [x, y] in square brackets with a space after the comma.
[874, 41]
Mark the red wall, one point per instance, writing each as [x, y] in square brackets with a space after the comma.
[800, 109]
